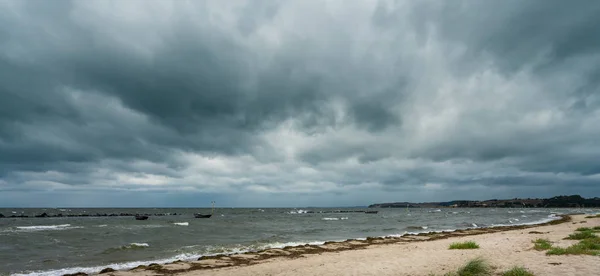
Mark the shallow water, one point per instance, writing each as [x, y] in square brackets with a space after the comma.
[55, 246]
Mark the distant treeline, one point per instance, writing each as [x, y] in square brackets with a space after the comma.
[563, 201]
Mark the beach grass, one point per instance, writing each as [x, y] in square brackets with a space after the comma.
[475, 267]
[589, 244]
[464, 245]
[587, 229]
[576, 249]
[581, 235]
[517, 271]
[542, 244]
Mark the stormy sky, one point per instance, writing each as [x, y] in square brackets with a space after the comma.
[296, 103]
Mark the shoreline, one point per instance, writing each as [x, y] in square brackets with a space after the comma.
[220, 261]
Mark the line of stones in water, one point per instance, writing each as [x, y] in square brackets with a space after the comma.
[60, 215]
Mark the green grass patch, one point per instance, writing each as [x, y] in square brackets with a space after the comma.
[517, 271]
[542, 244]
[577, 249]
[587, 229]
[581, 235]
[476, 267]
[589, 246]
[557, 251]
[464, 245]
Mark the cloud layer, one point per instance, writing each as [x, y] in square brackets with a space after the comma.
[292, 103]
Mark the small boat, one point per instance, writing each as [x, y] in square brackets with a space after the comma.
[140, 217]
[198, 215]
[371, 212]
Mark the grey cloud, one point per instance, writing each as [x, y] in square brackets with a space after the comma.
[364, 87]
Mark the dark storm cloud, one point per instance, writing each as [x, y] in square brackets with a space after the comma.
[516, 31]
[191, 92]
[298, 96]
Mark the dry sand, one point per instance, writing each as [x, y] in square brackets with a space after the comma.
[503, 248]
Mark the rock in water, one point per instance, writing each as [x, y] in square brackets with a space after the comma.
[107, 270]
[76, 274]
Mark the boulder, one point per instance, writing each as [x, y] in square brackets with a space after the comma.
[76, 274]
[107, 270]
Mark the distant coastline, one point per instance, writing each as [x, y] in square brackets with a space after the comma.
[563, 201]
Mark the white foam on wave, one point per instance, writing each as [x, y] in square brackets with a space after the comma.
[183, 257]
[342, 218]
[46, 227]
[96, 269]
[139, 244]
[142, 226]
[294, 212]
[182, 223]
[550, 218]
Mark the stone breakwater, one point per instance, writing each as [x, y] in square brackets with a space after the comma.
[60, 215]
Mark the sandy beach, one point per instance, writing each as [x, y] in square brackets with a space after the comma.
[425, 254]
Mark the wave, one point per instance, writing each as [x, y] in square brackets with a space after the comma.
[142, 226]
[184, 257]
[513, 220]
[182, 223]
[550, 218]
[46, 227]
[136, 245]
[293, 212]
[416, 227]
[96, 269]
[131, 246]
[342, 218]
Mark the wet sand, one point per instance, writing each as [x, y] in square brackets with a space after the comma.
[423, 254]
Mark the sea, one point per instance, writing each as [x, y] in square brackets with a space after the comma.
[62, 245]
